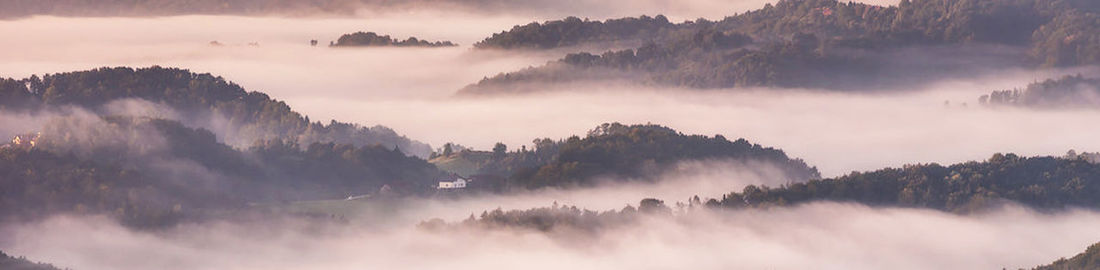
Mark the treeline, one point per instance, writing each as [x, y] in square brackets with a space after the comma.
[1044, 183]
[152, 173]
[157, 146]
[1038, 182]
[371, 39]
[708, 59]
[1066, 92]
[1090, 259]
[911, 22]
[7, 262]
[852, 44]
[201, 100]
[617, 151]
[567, 219]
[574, 31]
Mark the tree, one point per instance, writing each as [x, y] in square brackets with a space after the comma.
[653, 206]
[447, 151]
[500, 151]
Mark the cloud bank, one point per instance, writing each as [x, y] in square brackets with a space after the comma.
[819, 236]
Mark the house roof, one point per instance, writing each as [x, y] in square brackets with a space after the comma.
[450, 178]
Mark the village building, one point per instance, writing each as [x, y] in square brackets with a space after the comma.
[452, 181]
[357, 197]
[25, 141]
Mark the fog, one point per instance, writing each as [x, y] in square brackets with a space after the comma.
[704, 178]
[818, 236]
[837, 132]
[283, 64]
[411, 90]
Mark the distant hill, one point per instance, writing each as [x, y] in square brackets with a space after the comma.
[371, 39]
[1042, 183]
[556, 219]
[1088, 260]
[240, 117]
[11, 263]
[1039, 182]
[638, 152]
[156, 146]
[152, 173]
[1066, 92]
[811, 43]
[573, 31]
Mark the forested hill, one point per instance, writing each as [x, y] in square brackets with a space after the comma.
[574, 31]
[199, 100]
[150, 173]
[11, 263]
[617, 151]
[1042, 183]
[1066, 92]
[1090, 259]
[557, 219]
[371, 39]
[1045, 24]
[1039, 182]
[814, 43]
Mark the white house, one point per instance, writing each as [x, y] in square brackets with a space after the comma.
[26, 140]
[453, 182]
[356, 197]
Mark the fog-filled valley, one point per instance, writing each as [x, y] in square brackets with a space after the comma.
[411, 91]
[818, 235]
[809, 236]
[705, 134]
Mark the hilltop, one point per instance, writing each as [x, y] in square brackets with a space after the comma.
[810, 44]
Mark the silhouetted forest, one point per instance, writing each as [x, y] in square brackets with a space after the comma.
[370, 39]
[141, 147]
[1044, 183]
[813, 43]
[152, 173]
[201, 100]
[1066, 92]
[124, 156]
[1052, 27]
[566, 219]
[1090, 259]
[11, 263]
[613, 150]
[574, 31]
[1038, 182]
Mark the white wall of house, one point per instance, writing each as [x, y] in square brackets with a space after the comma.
[460, 183]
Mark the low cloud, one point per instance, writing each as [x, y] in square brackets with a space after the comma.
[822, 235]
[819, 235]
[411, 91]
[836, 131]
